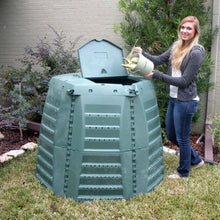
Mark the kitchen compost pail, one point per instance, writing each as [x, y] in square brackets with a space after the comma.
[144, 65]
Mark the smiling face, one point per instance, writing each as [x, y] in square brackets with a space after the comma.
[187, 31]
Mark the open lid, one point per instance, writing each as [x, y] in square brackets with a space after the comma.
[101, 59]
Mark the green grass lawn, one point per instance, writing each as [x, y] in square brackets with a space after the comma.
[23, 197]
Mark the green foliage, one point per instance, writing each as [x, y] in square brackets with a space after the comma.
[39, 64]
[16, 115]
[215, 131]
[153, 25]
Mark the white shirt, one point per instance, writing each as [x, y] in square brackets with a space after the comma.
[174, 89]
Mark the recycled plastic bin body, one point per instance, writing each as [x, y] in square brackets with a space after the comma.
[100, 137]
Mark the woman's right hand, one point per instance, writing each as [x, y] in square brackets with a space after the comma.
[149, 75]
[138, 49]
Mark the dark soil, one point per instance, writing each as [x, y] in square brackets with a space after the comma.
[12, 142]
[199, 148]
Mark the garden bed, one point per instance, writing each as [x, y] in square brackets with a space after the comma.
[198, 147]
[12, 141]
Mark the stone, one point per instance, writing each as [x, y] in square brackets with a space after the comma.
[14, 153]
[4, 158]
[29, 146]
[170, 151]
[1, 136]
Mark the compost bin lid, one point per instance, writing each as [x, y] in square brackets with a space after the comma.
[101, 59]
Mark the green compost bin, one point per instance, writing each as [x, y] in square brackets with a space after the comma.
[100, 135]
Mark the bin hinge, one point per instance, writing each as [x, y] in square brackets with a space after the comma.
[133, 91]
[70, 91]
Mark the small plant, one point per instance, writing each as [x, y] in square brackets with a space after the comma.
[15, 114]
[215, 130]
[24, 90]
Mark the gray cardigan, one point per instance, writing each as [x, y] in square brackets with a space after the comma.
[187, 89]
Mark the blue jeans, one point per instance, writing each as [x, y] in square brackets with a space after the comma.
[178, 126]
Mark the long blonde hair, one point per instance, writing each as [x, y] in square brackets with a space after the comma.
[180, 48]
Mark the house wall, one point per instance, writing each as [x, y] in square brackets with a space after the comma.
[24, 22]
[213, 104]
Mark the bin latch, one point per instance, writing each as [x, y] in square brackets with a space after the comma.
[133, 91]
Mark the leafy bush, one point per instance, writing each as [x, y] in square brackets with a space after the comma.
[153, 25]
[14, 115]
[215, 131]
[24, 90]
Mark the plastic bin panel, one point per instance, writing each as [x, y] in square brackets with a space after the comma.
[101, 59]
[100, 141]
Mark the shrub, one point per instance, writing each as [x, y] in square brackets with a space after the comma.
[24, 90]
[215, 130]
[153, 25]
[14, 115]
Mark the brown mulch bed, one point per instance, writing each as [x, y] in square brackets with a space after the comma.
[199, 148]
[12, 142]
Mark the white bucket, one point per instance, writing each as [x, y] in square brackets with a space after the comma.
[144, 65]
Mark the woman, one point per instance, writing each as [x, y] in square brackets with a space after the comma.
[184, 59]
